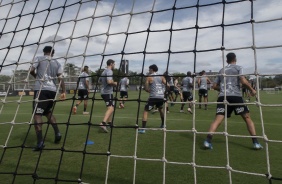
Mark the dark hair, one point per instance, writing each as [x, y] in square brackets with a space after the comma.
[230, 57]
[85, 68]
[110, 61]
[154, 67]
[189, 73]
[48, 49]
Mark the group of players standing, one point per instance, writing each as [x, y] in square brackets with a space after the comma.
[159, 88]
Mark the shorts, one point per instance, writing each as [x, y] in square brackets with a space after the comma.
[176, 91]
[187, 95]
[109, 100]
[158, 102]
[238, 109]
[43, 108]
[203, 92]
[82, 94]
[123, 94]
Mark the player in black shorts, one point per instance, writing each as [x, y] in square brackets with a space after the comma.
[45, 89]
[229, 87]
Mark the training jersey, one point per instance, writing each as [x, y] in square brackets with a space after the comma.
[232, 82]
[170, 81]
[105, 76]
[156, 87]
[83, 77]
[124, 83]
[203, 83]
[186, 83]
[46, 72]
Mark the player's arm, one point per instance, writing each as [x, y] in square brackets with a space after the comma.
[165, 82]
[199, 82]
[147, 84]
[63, 87]
[87, 84]
[208, 81]
[32, 71]
[245, 83]
[110, 80]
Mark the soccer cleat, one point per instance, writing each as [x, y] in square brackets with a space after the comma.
[57, 138]
[207, 145]
[189, 110]
[167, 112]
[141, 131]
[39, 147]
[85, 113]
[181, 111]
[257, 146]
[121, 106]
[103, 128]
[74, 110]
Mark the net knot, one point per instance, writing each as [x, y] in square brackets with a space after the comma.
[229, 168]
[164, 159]
[265, 138]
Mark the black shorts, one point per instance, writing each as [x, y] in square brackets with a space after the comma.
[203, 92]
[109, 100]
[43, 107]
[158, 102]
[187, 96]
[176, 91]
[238, 109]
[82, 94]
[123, 94]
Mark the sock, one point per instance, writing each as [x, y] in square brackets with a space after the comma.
[209, 138]
[39, 137]
[162, 118]
[104, 123]
[56, 129]
[182, 107]
[255, 140]
[144, 124]
[84, 109]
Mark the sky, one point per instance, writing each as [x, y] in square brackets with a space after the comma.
[105, 34]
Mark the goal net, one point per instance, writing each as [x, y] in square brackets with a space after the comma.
[178, 36]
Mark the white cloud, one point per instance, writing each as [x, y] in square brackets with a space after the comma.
[266, 34]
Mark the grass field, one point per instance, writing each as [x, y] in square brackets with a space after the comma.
[71, 159]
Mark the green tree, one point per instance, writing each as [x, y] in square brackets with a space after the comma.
[72, 71]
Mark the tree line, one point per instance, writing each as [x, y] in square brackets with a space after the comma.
[71, 73]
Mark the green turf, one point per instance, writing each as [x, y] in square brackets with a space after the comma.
[18, 164]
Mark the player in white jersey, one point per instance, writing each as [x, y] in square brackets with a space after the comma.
[83, 90]
[154, 86]
[187, 85]
[203, 82]
[123, 91]
[107, 84]
[230, 86]
[177, 89]
[46, 70]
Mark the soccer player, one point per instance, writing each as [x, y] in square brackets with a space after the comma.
[107, 84]
[83, 90]
[203, 82]
[233, 96]
[154, 86]
[177, 89]
[170, 89]
[123, 87]
[187, 85]
[45, 70]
